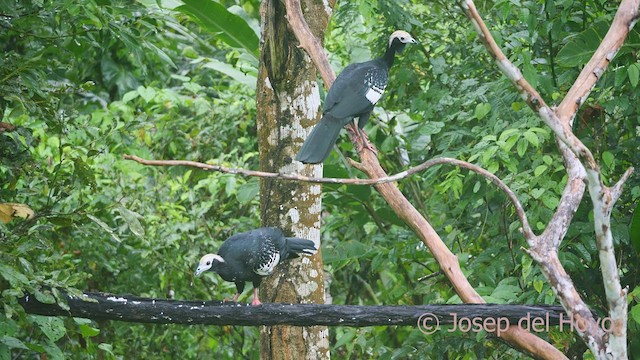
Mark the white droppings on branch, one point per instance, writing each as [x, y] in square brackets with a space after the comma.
[115, 299]
[611, 54]
[267, 83]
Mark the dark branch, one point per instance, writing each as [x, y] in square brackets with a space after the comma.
[100, 306]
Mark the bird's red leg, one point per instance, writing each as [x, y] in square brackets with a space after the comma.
[362, 140]
[366, 142]
[255, 301]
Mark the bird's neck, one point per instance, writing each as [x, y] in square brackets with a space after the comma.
[390, 55]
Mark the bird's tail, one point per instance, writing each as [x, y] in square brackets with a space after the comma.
[297, 246]
[317, 146]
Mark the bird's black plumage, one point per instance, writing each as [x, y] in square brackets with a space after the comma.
[252, 255]
[353, 94]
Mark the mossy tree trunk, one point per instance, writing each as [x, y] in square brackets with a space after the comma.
[288, 105]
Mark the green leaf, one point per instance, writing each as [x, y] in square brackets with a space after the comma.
[635, 313]
[231, 28]
[248, 191]
[580, 47]
[532, 138]
[16, 279]
[634, 74]
[104, 226]
[522, 147]
[482, 110]
[52, 327]
[106, 347]
[88, 331]
[131, 218]
[247, 78]
[607, 158]
[539, 170]
[147, 93]
[538, 286]
[13, 343]
[634, 229]
[44, 297]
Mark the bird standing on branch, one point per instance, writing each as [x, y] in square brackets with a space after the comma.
[353, 94]
[252, 255]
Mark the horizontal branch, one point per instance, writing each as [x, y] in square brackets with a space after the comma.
[101, 306]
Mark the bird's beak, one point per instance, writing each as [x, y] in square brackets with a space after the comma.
[198, 272]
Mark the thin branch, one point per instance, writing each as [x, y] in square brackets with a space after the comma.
[353, 181]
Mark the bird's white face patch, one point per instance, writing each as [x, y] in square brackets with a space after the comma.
[374, 94]
[403, 36]
[270, 265]
[206, 262]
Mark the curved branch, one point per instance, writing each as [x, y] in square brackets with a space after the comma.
[352, 181]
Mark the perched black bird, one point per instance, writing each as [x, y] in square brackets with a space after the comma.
[252, 255]
[353, 95]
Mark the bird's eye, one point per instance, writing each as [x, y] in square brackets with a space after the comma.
[208, 262]
[402, 38]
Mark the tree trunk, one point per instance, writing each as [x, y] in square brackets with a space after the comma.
[288, 105]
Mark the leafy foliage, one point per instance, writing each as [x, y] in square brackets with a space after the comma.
[86, 83]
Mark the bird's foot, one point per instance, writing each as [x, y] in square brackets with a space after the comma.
[255, 301]
[364, 142]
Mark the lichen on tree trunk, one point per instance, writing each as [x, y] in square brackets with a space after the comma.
[288, 104]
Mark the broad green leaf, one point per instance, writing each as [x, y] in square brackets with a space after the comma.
[104, 226]
[52, 327]
[539, 170]
[522, 147]
[634, 74]
[482, 110]
[231, 28]
[13, 343]
[538, 284]
[88, 331]
[608, 158]
[248, 191]
[580, 47]
[635, 313]
[247, 78]
[131, 218]
[44, 297]
[634, 229]
[532, 138]
[536, 193]
[10, 274]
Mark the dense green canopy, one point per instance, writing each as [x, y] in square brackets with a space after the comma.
[84, 82]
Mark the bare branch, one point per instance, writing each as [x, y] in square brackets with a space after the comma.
[545, 248]
[625, 18]
[352, 181]
[617, 188]
[533, 98]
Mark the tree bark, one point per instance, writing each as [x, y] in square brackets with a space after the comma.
[288, 104]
